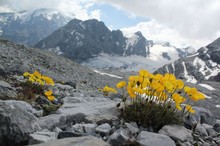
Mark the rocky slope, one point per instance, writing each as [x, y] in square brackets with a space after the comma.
[29, 27]
[86, 117]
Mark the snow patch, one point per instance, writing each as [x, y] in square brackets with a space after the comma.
[111, 75]
[188, 77]
[207, 86]
[218, 106]
[208, 97]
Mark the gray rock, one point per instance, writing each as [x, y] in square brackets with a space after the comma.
[103, 129]
[16, 123]
[132, 128]
[201, 115]
[6, 91]
[89, 128]
[217, 126]
[149, 139]
[201, 130]
[78, 128]
[52, 121]
[76, 141]
[41, 137]
[121, 137]
[176, 132]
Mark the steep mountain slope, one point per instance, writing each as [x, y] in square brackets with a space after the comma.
[29, 27]
[204, 65]
[81, 40]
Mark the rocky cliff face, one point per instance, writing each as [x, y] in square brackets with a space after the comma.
[30, 27]
[204, 65]
[81, 40]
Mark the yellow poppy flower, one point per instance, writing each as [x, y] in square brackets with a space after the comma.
[190, 109]
[48, 93]
[178, 98]
[143, 73]
[26, 74]
[51, 97]
[121, 84]
[178, 106]
[37, 74]
[179, 84]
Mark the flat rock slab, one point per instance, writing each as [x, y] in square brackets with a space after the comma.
[176, 132]
[76, 141]
[152, 139]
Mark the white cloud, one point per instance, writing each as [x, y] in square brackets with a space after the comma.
[195, 20]
[78, 7]
[152, 30]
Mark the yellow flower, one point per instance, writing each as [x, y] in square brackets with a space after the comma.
[109, 89]
[143, 73]
[121, 84]
[158, 77]
[157, 86]
[48, 93]
[197, 96]
[37, 74]
[178, 98]
[178, 106]
[51, 97]
[169, 86]
[179, 84]
[190, 109]
[138, 90]
[131, 92]
[26, 74]
[31, 79]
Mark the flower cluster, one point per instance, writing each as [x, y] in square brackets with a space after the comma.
[37, 78]
[162, 89]
[155, 99]
[107, 90]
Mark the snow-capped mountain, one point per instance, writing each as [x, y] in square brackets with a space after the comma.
[82, 40]
[203, 65]
[29, 27]
[91, 43]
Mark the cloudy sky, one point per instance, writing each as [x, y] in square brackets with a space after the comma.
[181, 22]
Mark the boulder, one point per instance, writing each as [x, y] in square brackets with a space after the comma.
[176, 132]
[132, 127]
[76, 141]
[103, 129]
[89, 128]
[121, 137]
[6, 91]
[16, 123]
[145, 138]
[217, 126]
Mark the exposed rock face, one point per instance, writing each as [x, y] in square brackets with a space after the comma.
[81, 40]
[30, 27]
[16, 122]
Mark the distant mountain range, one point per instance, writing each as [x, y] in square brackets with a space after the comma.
[203, 65]
[88, 42]
[29, 27]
